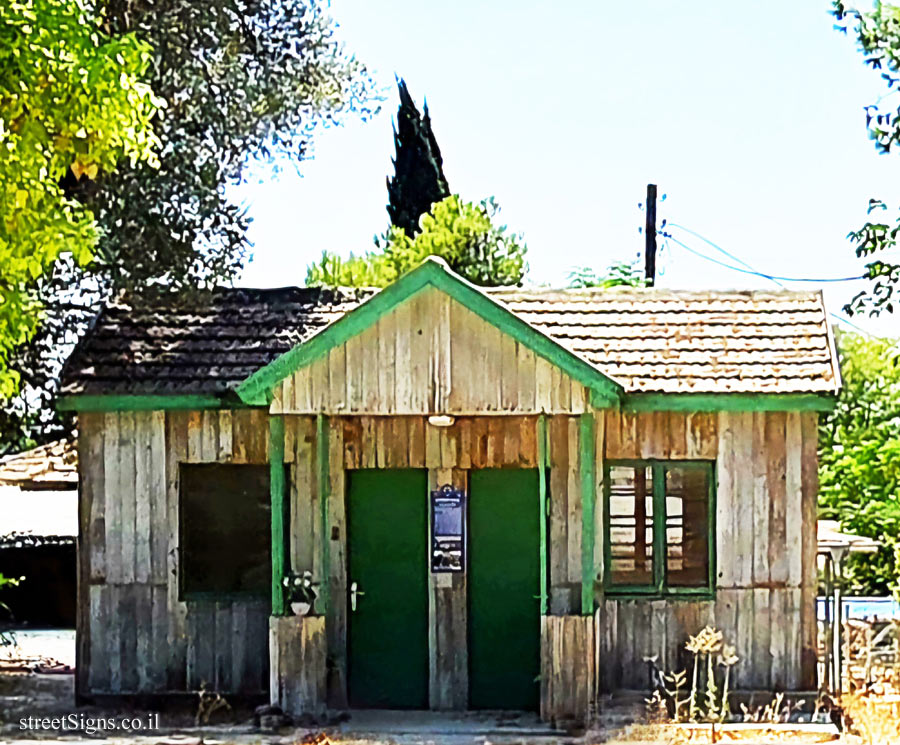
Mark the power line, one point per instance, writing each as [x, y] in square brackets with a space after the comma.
[709, 242]
[750, 269]
[753, 271]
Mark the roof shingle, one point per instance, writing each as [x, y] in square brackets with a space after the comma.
[648, 340]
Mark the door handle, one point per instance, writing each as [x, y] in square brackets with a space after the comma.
[355, 592]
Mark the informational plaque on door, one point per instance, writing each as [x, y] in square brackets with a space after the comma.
[448, 530]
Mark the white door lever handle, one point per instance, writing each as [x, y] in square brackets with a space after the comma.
[355, 592]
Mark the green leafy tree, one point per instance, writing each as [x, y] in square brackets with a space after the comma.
[618, 274]
[859, 458]
[418, 181]
[461, 233]
[877, 33]
[245, 82]
[71, 100]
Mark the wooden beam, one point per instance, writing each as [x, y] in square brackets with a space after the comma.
[543, 462]
[324, 487]
[144, 403]
[586, 463]
[691, 402]
[279, 516]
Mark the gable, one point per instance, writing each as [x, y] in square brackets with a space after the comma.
[430, 355]
[408, 327]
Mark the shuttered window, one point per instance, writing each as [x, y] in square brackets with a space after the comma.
[225, 529]
[659, 537]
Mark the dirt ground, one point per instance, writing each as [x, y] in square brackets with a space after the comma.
[49, 702]
[45, 698]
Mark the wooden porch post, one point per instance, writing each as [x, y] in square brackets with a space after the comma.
[323, 483]
[544, 507]
[587, 459]
[279, 512]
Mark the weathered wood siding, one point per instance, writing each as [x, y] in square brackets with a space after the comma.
[568, 669]
[765, 526]
[298, 654]
[431, 355]
[135, 634]
[128, 565]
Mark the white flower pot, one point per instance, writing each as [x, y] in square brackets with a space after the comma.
[300, 609]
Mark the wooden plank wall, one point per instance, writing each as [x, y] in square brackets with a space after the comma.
[765, 518]
[452, 362]
[766, 506]
[448, 454]
[568, 662]
[128, 475]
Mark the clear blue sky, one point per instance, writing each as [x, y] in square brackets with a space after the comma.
[749, 116]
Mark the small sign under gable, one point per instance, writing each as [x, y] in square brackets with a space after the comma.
[448, 530]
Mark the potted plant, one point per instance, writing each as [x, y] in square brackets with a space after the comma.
[299, 592]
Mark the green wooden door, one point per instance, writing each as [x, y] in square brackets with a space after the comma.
[388, 632]
[504, 582]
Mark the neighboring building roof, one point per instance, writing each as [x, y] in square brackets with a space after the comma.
[829, 536]
[647, 340]
[39, 496]
[48, 467]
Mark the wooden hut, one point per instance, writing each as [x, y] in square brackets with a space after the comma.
[508, 498]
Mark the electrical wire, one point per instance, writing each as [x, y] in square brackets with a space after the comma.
[750, 269]
[759, 274]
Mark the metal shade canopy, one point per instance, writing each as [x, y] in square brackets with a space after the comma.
[833, 547]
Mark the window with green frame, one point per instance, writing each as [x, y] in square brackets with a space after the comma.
[659, 527]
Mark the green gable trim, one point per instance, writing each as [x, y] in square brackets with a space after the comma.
[434, 273]
[143, 403]
[728, 402]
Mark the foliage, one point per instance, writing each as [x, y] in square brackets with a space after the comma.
[71, 99]
[418, 181]
[461, 233]
[859, 458]
[245, 81]
[877, 34]
[707, 702]
[8, 638]
[618, 274]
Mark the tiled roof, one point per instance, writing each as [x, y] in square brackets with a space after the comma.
[53, 466]
[648, 340]
[206, 345]
[671, 341]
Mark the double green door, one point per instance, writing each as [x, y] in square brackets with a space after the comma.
[504, 589]
[388, 630]
[388, 574]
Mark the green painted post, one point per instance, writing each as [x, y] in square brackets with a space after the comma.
[659, 527]
[278, 505]
[323, 482]
[544, 506]
[587, 458]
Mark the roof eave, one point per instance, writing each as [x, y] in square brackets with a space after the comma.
[690, 402]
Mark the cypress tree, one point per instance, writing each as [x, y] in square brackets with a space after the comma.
[418, 180]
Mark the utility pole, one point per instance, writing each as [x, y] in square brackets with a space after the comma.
[650, 236]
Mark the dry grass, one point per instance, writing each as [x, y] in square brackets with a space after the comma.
[874, 717]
